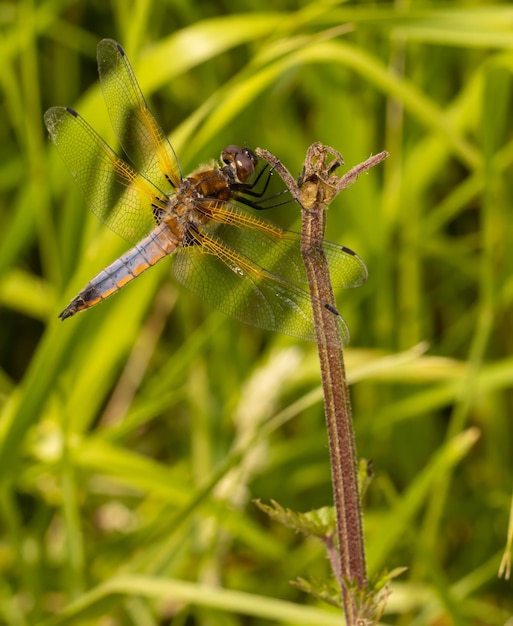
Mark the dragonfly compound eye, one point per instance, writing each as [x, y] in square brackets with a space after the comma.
[246, 162]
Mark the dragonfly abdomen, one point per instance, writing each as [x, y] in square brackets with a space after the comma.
[158, 244]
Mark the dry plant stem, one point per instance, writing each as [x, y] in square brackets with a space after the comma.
[315, 189]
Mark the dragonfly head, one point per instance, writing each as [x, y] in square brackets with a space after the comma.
[241, 162]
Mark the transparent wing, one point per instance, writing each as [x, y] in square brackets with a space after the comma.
[242, 289]
[136, 128]
[120, 197]
[280, 250]
[253, 271]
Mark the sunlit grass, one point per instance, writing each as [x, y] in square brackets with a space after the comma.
[134, 436]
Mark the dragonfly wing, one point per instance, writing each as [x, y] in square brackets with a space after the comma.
[136, 128]
[121, 198]
[347, 269]
[241, 288]
[279, 250]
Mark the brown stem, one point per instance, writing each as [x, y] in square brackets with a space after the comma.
[315, 189]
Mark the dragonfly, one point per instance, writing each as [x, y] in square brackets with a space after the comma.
[232, 259]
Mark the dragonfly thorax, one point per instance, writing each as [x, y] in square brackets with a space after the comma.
[212, 184]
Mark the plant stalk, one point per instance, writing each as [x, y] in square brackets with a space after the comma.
[316, 188]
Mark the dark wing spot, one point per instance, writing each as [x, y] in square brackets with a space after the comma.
[191, 237]
[331, 309]
[348, 250]
[158, 213]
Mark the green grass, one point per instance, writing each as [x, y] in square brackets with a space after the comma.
[134, 437]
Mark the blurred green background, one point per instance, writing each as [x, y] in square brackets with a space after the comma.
[134, 437]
